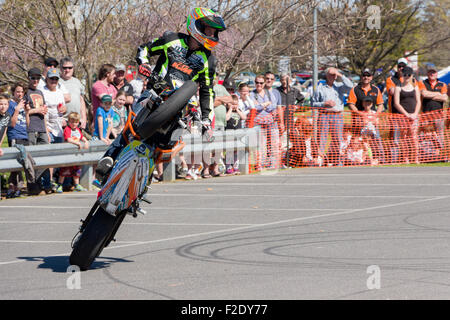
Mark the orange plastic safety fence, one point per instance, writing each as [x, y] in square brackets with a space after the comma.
[302, 137]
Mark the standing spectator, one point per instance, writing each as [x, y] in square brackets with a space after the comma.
[245, 103]
[365, 89]
[120, 114]
[329, 98]
[291, 97]
[394, 81]
[76, 90]
[17, 135]
[370, 127]
[230, 85]
[72, 134]
[139, 84]
[266, 105]
[434, 94]
[407, 105]
[5, 117]
[103, 120]
[50, 63]
[54, 99]
[221, 98]
[235, 117]
[269, 79]
[4, 121]
[103, 86]
[120, 83]
[35, 111]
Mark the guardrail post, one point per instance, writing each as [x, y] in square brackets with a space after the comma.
[87, 177]
[169, 170]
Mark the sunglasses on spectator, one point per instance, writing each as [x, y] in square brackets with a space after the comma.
[407, 75]
[367, 75]
[68, 68]
[35, 78]
[54, 65]
[257, 82]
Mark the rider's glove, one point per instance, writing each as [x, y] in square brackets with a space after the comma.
[207, 131]
[145, 69]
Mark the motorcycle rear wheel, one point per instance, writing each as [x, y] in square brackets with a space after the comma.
[95, 236]
[166, 111]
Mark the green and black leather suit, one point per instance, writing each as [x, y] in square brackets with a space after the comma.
[177, 62]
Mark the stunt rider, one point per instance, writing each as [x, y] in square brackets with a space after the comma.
[182, 57]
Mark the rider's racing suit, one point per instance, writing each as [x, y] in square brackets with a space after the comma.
[177, 62]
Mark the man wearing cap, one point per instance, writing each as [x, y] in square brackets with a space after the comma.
[35, 111]
[54, 100]
[48, 64]
[120, 83]
[434, 95]
[365, 91]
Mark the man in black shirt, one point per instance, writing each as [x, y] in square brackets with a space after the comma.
[35, 111]
[290, 96]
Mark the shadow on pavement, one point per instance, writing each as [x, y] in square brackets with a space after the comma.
[61, 264]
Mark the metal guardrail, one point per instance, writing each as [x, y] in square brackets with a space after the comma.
[54, 155]
[243, 141]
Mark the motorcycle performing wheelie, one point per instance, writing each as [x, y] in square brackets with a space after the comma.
[151, 134]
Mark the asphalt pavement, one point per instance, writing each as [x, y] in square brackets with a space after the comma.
[313, 233]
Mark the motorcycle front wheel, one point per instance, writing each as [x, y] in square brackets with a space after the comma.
[96, 235]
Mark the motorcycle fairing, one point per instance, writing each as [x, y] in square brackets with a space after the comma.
[128, 178]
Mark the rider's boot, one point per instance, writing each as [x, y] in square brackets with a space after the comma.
[105, 164]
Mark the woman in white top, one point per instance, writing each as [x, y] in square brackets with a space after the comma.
[54, 99]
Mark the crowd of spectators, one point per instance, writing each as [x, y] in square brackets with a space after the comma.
[51, 108]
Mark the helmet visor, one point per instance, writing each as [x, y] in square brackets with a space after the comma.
[215, 22]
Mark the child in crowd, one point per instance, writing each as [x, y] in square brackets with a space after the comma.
[370, 119]
[4, 116]
[359, 152]
[429, 146]
[193, 169]
[120, 114]
[310, 150]
[245, 102]
[72, 134]
[370, 129]
[304, 152]
[4, 120]
[103, 120]
[234, 116]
